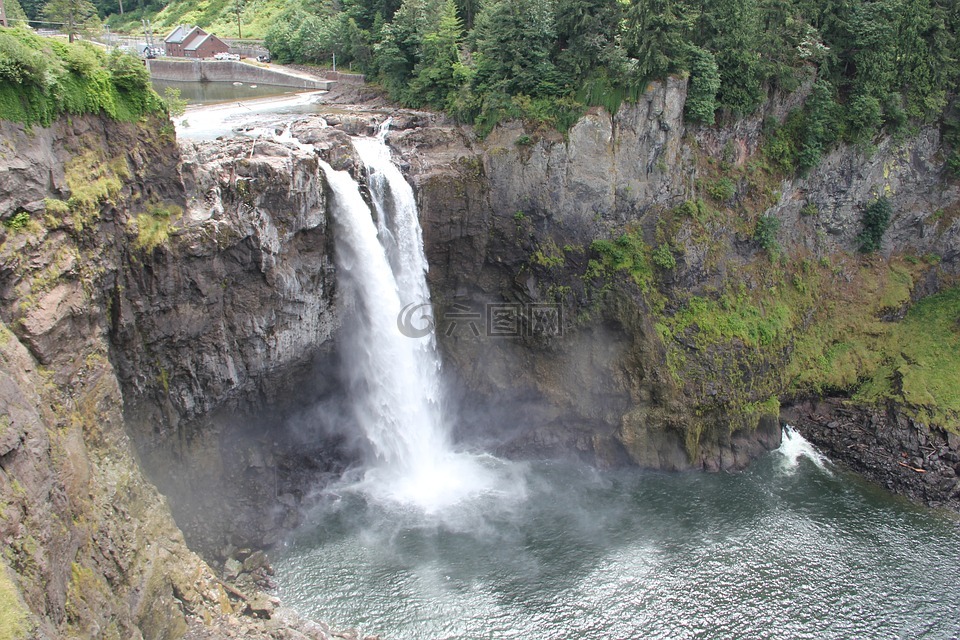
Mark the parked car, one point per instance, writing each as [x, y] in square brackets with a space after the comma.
[263, 58]
[226, 56]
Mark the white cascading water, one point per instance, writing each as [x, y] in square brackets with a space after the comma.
[794, 446]
[394, 379]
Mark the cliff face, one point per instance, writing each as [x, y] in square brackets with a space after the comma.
[174, 317]
[225, 320]
[94, 549]
[669, 360]
[112, 329]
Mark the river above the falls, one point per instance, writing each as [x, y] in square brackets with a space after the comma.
[791, 548]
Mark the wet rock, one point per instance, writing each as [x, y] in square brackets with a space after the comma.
[261, 606]
[232, 568]
[887, 459]
[257, 561]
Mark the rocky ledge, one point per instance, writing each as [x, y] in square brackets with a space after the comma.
[886, 446]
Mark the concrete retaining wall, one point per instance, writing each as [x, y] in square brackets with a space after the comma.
[228, 71]
[346, 78]
[248, 47]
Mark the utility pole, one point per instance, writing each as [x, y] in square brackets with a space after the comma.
[147, 32]
[238, 7]
[3, 14]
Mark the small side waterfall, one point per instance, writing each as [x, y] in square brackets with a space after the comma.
[394, 379]
[794, 446]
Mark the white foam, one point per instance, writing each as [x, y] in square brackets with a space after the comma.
[794, 446]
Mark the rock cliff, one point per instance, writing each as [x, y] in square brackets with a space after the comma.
[170, 322]
[636, 375]
[97, 314]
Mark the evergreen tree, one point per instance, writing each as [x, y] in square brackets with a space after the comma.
[702, 104]
[31, 7]
[926, 63]
[656, 33]
[73, 17]
[873, 27]
[514, 42]
[401, 42]
[586, 36]
[366, 12]
[731, 31]
[15, 13]
[435, 76]
[468, 10]
[819, 129]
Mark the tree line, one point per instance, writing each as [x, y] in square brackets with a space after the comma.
[877, 63]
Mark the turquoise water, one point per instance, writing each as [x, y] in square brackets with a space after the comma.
[789, 549]
[196, 93]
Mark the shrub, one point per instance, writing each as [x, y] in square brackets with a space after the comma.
[876, 220]
[128, 73]
[663, 257]
[722, 189]
[809, 209]
[17, 222]
[765, 233]
[626, 253]
[153, 227]
[704, 85]
[41, 78]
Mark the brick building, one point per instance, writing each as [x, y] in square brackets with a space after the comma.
[193, 42]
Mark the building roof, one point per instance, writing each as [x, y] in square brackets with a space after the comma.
[194, 44]
[181, 33]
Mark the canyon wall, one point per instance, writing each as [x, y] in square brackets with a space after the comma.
[112, 340]
[514, 218]
[170, 322]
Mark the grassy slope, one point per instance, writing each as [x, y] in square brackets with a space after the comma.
[13, 617]
[215, 16]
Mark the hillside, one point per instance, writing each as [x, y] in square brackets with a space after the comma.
[216, 16]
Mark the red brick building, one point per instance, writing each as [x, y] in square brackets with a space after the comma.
[193, 42]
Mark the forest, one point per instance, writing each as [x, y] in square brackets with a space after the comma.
[874, 64]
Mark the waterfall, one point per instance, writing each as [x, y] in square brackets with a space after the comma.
[394, 379]
[794, 446]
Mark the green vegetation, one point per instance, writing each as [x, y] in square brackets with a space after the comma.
[13, 616]
[548, 255]
[734, 316]
[663, 257]
[810, 209]
[17, 222]
[627, 253]
[765, 233]
[216, 16]
[722, 189]
[176, 106]
[876, 63]
[919, 362]
[153, 227]
[849, 348]
[42, 78]
[876, 219]
[75, 17]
